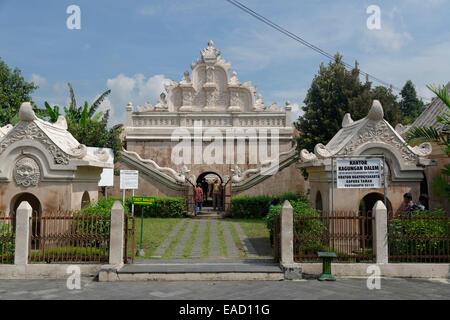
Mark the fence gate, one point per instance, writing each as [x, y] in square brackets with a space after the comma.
[129, 241]
[189, 196]
[226, 195]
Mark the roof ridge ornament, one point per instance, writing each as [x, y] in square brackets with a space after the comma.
[26, 112]
[376, 111]
[210, 54]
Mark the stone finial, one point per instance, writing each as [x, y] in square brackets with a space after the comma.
[26, 112]
[129, 106]
[61, 122]
[376, 111]
[347, 120]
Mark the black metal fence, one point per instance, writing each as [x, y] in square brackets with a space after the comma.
[60, 237]
[348, 234]
[422, 237]
[129, 239]
[7, 240]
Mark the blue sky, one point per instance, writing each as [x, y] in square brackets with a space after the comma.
[133, 47]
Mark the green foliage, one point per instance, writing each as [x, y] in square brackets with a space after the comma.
[52, 113]
[250, 207]
[410, 105]
[7, 248]
[441, 184]
[334, 92]
[258, 206]
[13, 91]
[164, 207]
[427, 236]
[311, 230]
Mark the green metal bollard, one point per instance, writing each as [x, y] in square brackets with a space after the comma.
[327, 257]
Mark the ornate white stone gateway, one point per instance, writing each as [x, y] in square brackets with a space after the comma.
[357, 136]
[27, 172]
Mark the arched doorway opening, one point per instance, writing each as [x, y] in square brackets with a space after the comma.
[206, 181]
[366, 204]
[319, 201]
[36, 212]
[85, 200]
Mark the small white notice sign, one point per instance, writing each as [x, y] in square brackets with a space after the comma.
[129, 179]
[358, 173]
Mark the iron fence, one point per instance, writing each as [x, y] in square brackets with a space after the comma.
[129, 240]
[422, 237]
[7, 240]
[60, 237]
[348, 234]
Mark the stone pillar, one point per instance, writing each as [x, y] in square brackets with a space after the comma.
[23, 215]
[287, 234]
[129, 110]
[380, 236]
[116, 234]
[288, 111]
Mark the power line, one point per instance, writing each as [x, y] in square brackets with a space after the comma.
[306, 43]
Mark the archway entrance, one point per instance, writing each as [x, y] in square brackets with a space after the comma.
[37, 212]
[366, 204]
[85, 200]
[206, 181]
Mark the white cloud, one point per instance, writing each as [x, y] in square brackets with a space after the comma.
[136, 89]
[38, 80]
[296, 112]
[386, 38]
[150, 11]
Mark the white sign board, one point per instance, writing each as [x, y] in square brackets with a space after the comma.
[107, 176]
[358, 173]
[129, 179]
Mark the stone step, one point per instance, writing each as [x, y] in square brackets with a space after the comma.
[198, 269]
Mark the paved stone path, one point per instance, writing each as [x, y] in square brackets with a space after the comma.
[178, 251]
[248, 247]
[165, 245]
[198, 242]
[232, 251]
[342, 289]
[214, 246]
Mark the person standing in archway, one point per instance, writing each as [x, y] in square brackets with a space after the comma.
[217, 194]
[205, 187]
[198, 195]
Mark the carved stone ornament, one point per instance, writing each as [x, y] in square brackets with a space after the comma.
[27, 172]
[29, 130]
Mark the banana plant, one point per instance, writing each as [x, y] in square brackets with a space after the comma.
[82, 115]
[53, 113]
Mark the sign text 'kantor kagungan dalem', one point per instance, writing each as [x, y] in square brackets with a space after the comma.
[364, 173]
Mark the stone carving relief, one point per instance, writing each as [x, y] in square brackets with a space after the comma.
[27, 172]
[29, 130]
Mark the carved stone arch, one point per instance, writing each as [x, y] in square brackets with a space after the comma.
[21, 149]
[393, 158]
[318, 201]
[85, 200]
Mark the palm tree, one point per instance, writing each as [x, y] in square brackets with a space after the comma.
[440, 137]
[440, 185]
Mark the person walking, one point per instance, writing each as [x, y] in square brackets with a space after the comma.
[408, 204]
[217, 194]
[198, 195]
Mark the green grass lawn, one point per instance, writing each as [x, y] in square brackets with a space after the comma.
[155, 232]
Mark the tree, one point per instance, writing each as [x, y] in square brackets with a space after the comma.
[326, 102]
[90, 128]
[96, 133]
[334, 92]
[410, 105]
[13, 91]
[440, 185]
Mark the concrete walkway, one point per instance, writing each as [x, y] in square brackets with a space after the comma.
[207, 239]
[343, 289]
